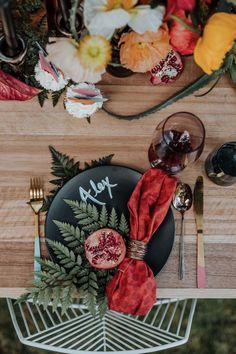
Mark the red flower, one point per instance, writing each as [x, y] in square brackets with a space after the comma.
[182, 39]
[175, 5]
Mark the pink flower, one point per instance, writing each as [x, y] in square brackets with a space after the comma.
[182, 39]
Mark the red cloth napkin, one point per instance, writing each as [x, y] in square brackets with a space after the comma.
[132, 290]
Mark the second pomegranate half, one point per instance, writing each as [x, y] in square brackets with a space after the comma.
[105, 249]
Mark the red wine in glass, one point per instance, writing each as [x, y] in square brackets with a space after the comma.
[177, 141]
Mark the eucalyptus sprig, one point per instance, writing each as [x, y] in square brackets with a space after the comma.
[70, 275]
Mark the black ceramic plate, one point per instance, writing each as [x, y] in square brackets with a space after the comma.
[110, 185]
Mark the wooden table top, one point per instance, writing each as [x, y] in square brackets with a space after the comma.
[26, 130]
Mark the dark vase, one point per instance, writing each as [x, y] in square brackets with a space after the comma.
[119, 71]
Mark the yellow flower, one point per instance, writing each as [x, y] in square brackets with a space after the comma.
[94, 52]
[218, 38]
[117, 4]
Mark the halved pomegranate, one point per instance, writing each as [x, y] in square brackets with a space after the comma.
[105, 249]
[168, 70]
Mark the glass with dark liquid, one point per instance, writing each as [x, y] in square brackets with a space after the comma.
[177, 141]
[221, 164]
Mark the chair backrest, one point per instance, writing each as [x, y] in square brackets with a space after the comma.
[167, 325]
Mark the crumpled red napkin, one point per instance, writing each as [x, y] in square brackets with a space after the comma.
[132, 290]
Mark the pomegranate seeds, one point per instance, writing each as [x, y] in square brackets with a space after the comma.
[168, 70]
[105, 249]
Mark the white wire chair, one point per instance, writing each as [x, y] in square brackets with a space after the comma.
[167, 325]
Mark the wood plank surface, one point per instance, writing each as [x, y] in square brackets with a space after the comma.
[26, 130]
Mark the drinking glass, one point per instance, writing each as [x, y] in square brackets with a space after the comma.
[177, 141]
[220, 164]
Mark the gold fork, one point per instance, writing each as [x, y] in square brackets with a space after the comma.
[36, 203]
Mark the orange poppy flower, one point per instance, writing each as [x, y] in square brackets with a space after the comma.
[141, 52]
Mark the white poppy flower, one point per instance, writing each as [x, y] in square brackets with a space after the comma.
[64, 54]
[144, 19]
[103, 17]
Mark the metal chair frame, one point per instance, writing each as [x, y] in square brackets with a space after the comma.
[166, 326]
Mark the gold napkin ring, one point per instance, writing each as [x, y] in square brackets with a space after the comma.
[136, 249]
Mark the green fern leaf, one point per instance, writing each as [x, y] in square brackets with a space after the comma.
[123, 226]
[66, 257]
[90, 301]
[103, 220]
[56, 298]
[51, 267]
[68, 295]
[72, 235]
[42, 96]
[113, 220]
[47, 202]
[62, 165]
[56, 96]
[102, 306]
[86, 214]
[106, 160]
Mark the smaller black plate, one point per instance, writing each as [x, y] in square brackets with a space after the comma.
[123, 181]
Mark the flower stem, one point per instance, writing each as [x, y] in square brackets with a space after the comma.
[185, 24]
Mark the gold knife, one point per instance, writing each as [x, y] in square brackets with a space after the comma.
[198, 210]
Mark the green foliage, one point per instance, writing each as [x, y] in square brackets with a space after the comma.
[89, 219]
[58, 280]
[103, 220]
[225, 6]
[73, 236]
[22, 19]
[102, 306]
[66, 257]
[64, 168]
[87, 214]
[123, 226]
[42, 96]
[106, 160]
[73, 13]
[232, 63]
[113, 219]
[56, 96]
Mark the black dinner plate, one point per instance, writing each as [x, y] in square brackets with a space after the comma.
[110, 185]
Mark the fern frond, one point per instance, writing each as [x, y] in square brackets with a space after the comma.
[113, 219]
[103, 220]
[71, 234]
[87, 214]
[123, 226]
[105, 160]
[65, 256]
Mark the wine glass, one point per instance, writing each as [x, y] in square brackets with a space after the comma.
[177, 141]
